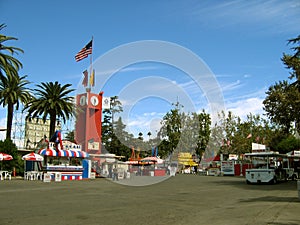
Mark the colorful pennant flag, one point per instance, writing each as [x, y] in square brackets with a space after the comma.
[92, 79]
[85, 78]
[84, 52]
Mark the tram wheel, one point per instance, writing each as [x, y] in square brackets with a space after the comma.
[274, 181]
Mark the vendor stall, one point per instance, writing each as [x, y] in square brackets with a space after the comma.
[70, 164]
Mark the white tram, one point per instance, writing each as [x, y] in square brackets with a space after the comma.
[269, 167]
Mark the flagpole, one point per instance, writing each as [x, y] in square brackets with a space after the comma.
[91, 66]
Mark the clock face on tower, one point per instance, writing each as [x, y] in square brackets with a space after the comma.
[89, 100]
[88, 121]
[94, 100]
[83, 100]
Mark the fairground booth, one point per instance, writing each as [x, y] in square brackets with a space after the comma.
[148, 166]
[69, 163]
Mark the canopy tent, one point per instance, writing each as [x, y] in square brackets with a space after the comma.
[188, 163]
[133, 162]
[63, 153]
[186, 159]
[30, 159]
[152, 159]
[4, 156]
[294, 153]
[33, 157]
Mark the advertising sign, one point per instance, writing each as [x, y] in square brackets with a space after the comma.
[106, 103]
[47, 177]
[227, 167]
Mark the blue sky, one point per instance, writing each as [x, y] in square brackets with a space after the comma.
[240, 41]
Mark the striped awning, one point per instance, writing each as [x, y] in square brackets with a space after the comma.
[63, 153]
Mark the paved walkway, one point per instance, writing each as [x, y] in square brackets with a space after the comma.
[184, 199]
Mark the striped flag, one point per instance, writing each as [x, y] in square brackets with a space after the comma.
[84, 52]
[85, 78]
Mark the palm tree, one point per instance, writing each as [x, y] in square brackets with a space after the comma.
[51, 101]
[149, 134]
[13, 91]
[140, 136]
[8, 64]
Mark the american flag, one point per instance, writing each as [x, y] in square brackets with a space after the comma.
[84, 52]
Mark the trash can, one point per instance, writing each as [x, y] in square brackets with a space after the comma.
[298, 188]
[152, 173]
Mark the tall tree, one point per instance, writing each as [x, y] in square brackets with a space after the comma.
[13, 89]
[171, 127]
[292, 62]
[7, 146]
[52, 102]
[295, 48]
[13, 92]
[70, 136]
[121, 139]
[8, 63]
[115, 107]
[204, 132]
[108, 123]
[282, 105]
[227, 126]
[283, 98]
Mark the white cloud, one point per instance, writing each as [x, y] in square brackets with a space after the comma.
[232, 86]
[153, 114]
[100, 72]
[235, 96]
[244, 107]
[271, 15]
[145, 123]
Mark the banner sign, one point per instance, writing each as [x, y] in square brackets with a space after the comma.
[106, 103]
[227, 167]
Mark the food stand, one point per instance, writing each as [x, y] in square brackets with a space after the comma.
[187, 162]
[108, 162]
[68, 164]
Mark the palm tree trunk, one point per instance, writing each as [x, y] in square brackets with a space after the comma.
[52, 125]
[10, 113]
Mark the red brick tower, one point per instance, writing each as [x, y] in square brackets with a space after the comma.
[88, 122]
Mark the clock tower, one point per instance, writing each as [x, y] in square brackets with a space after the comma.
[88, 122]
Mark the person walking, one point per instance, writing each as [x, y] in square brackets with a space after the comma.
[115, 173]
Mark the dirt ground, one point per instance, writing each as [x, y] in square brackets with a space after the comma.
[183, 199]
